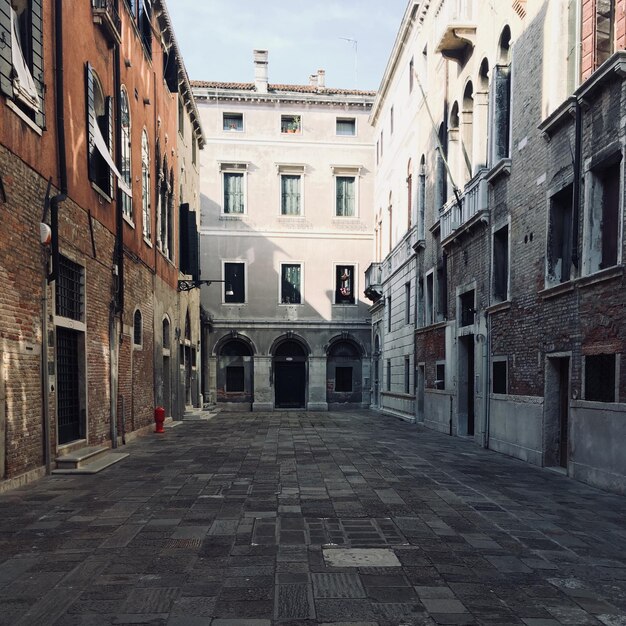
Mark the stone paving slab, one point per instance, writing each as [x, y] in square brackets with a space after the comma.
[295, 518]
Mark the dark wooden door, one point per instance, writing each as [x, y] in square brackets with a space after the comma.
[470, 385]
[68, 386]
[290, 384]
[563, 410]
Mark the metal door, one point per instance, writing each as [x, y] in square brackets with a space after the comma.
[68, 386]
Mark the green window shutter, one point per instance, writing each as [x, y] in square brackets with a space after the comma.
[91, 120]
[36, 27]
[6, 62]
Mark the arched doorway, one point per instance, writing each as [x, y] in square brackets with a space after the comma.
[343, 374]
[289, 362]
[235, 381]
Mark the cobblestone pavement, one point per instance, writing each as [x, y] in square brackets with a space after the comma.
[303, 518]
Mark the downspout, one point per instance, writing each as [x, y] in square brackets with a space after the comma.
[578, 139]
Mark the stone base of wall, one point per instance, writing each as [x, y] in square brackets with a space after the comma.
[23, 479]
[317, 406]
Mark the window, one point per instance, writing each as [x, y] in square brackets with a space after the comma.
[345, 191]
[343, 379]
[499, 383]
[442, 288]
[145, 186]
[137, 328]
[100, 133]
[409, 195]
[500, 102]
[407, 303]
[235, 378]
[166, 334]
[70, 287]
[441, 189]
[377, 152]
[290, 283]
[290, 197]
[344, 284]
[233, 122]
[181, 117]
[233, 192]
[421, 200]
[429, 300]
[170, 69]
[235, 281]
[188, 244]
[127, 199]
[421, 303]
[21, 57]
[600, 378]
[559, 245]
[411, 71]
[391, 121]
[440, 381]
[501, 264]
[194, 151]
[381, 144]
[605, 30]
[602, 242]
[407, 374]
[346, 126]
[290, 124]
[144, 23]
[388, 375]
[467, 308]
[388, 314]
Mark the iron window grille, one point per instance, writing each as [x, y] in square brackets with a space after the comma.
[69, 290]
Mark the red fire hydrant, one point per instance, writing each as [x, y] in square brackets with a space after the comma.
[159, 418]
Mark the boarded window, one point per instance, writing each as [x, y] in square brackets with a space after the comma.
[235, 378]
[499, 377]
[343, 379]
[600, 378]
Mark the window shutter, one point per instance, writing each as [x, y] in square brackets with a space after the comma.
[6, 63]
[183, 263]
[36, 29]
[91, 121]
[108, 135]
[193, 246]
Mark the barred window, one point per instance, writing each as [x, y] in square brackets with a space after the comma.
[70, 289]
[137, 328]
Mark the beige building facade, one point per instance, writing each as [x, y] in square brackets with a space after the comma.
[287, 222]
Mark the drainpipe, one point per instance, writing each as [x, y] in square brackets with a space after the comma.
[577, 184]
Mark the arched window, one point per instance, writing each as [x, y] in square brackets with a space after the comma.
[409, 195]
[127, 201]
[500, 97]
[137, 328]
[166, 333]
[145, 186]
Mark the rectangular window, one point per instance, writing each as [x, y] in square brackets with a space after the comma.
[602, 219]
[411, 71]
[235, 282]
[429, 303]
[500, 111]
[290, 194]
[407, 303]
[181, 117]
[467, 306]
[389, 314]
[144, 23]
[69, 289]
[501, 264]
[381, 144]
[344, 284]
[233, 122]
[194, 151]
[343, 379]
[290, 283]
[235, 378]
[234, 192]
[388, 375]
[391, 121]
[407, 374]
[440, 382]
[345, 205]
[346, 126]
[559, 252]
[421, 302]
[442, 289]
[605, 30]
[600, 378]
[499, 383]
[290, 124]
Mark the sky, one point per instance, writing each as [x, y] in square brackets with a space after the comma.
[217, 37]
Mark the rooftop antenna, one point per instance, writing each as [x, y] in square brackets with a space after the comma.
[355, 46]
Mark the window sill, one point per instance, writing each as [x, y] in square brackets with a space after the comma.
[148, 243]
[344, 304]
[231, 216]
[600, 276]
[397, 394]
[24, 117]
[429, 327]
[290, 218]
[554, 291]
[505, 305]
[233, 303]
[616, 407]
[341, 218]
[129, 221]
[101, 192]
[291, 304]
[501, 168]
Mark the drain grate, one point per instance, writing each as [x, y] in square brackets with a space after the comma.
[182, 544]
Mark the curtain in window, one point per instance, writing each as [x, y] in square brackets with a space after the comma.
[126, 152]
[145, 186]
[345, 196]
[345, 127]
[290, 195]
[291, 284]
[233, 193]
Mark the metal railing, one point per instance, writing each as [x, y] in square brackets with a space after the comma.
[107, 11]
[453, 12]
[473, 200]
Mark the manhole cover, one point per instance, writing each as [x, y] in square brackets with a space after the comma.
[360, 557]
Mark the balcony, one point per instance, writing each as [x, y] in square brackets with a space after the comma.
[455, 28]
[474, 202]
[374, 282]
[105, 14]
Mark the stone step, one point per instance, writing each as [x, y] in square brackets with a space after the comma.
[81, 456]
[96, 463]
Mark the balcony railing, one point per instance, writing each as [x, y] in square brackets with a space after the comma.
[105, 13]
[473, 200]
[455, 27]
[374, 281]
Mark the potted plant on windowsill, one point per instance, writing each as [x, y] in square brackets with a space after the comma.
[294, 126]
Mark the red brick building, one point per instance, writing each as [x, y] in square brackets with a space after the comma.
[98, 139]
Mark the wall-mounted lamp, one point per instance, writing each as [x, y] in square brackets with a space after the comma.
[188, 285]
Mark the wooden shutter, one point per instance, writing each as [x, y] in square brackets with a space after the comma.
[36, 30]
[108, 135]
[6, 61]
[91, 121]
[193, 246]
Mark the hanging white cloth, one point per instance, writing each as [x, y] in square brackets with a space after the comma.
[103, 149]
[23, 82]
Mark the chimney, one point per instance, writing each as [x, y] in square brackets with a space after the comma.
[313, 80]
[260, 70]
[321, 78]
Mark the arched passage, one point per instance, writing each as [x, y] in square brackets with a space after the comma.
[290, 374]
[344, 373]
[235, 373]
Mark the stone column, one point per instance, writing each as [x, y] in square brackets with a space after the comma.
[480, 129]
[317, 384]
[263, 385]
